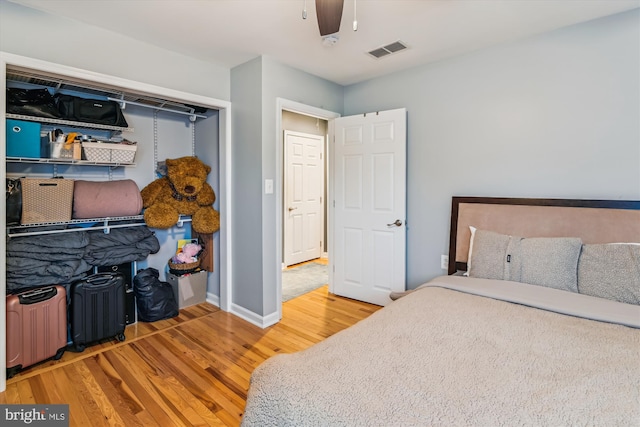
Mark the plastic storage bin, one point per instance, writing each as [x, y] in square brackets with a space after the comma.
[189, 289]
[61, 150]
[23, 139]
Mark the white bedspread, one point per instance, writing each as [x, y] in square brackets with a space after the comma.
[443, 357]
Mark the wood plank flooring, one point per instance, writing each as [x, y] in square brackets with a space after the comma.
[192, 370]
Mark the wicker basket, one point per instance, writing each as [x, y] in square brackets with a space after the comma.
[46, 200]
[107, 152]
[183, 268]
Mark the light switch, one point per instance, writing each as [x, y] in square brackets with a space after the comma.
[268, 186]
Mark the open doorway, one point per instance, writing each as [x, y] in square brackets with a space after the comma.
[285, 106]
[304, 215]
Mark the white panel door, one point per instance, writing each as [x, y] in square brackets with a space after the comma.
[369, 190]
[303, 202]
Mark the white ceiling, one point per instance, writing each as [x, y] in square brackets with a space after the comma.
[230, 32]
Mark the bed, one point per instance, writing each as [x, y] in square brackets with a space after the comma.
[537, 323]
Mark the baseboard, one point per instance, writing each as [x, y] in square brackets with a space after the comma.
[253, 318]
[213, 299]
[243, 313]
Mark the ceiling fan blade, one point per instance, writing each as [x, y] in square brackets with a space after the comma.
[329, 14]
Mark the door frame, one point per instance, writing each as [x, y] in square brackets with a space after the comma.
[283, 104]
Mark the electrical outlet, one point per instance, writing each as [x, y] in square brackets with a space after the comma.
[444, 262]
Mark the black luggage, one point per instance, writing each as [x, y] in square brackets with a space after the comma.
[91, 110]
[130, 299]
[97, 309]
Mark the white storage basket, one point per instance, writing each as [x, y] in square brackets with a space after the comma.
[107, 152]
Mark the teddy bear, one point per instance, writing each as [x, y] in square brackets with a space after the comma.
[183, 190]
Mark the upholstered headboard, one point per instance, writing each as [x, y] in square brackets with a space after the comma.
[594, 221]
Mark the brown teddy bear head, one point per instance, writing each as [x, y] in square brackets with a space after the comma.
[187, 175]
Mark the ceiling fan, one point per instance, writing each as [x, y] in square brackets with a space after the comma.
[329, 14]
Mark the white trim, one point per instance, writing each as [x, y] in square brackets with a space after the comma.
[224, 107]
[308, 110]
[253, 318]
[3, 232]
[330, 200]
[213, 299]
[226, 217]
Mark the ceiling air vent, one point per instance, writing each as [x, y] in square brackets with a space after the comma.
[388, 49]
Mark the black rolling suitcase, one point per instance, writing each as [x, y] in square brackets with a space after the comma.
[130, 299]
[97, 309]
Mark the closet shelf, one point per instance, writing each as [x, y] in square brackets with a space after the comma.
[65, 162]
[21, 76]
[76, 225]
[192, 115]
[62, 122]
[105, 224]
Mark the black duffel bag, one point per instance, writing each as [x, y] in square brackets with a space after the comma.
[154, 298]
[32, 102]
[14, 201]
[91, 110]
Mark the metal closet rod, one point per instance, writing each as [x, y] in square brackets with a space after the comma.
[192, 116]
[105, 227]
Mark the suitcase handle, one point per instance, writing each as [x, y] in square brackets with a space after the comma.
[37, 295]
[99, 279]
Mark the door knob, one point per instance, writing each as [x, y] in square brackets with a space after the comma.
[292, 209]
[397, 223]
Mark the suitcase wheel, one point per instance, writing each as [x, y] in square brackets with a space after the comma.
[80, 347]
[120, 337]
[59, 354]
[13, 370]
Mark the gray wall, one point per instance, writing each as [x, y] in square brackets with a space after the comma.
[281, 81]
[36, 34]
[302, 123]
[556, 115]
[254, 85]
[246, 235]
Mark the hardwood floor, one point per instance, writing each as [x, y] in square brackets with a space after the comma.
[192, 370]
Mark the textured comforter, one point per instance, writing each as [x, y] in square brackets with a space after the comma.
[444, 357]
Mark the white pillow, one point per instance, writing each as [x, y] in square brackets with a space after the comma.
[473, 233]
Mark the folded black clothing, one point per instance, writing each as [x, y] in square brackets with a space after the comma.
[51, 255]
[39, 260]
[62, 273]
[44, 242]
[119, 236]
[121, 245]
